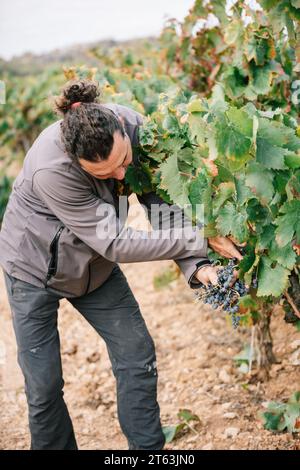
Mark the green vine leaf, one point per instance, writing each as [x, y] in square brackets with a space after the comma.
[271, 280]
[173, 182]
[260, 181]
[234, 135]
[139, 178]
[233, 220]
[288, 223]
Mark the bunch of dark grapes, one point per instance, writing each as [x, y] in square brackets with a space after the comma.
[224, 294]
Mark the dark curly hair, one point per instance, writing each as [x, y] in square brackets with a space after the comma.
[87, 129]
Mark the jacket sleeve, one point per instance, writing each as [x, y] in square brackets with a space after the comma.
[95, 222]
[189, 265]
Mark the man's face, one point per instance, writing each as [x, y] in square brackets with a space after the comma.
[116, 164]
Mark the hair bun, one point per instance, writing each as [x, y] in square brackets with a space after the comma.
[83, 90]
[75, 87]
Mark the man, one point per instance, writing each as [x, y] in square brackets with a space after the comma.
[62, 238]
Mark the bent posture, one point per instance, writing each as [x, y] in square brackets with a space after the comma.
[57, 242]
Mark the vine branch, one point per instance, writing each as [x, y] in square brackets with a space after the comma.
[292, 304]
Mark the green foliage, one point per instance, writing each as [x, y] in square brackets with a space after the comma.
[288, 222]
[27, 110]
[272, 280]
[283, 416]
[234, 135]
[255, 61]
[139, 178]
[247, 197]
[185, 419]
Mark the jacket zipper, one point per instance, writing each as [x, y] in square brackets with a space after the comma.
[52, 268]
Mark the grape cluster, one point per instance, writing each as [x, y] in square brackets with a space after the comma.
[223, 294]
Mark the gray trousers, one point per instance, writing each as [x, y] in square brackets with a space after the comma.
[114, 313]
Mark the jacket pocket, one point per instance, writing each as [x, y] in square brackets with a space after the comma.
[34, 252]
[68, 268]
[52, 267]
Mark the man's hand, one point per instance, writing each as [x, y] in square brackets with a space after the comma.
[225, 247]
[208, 274]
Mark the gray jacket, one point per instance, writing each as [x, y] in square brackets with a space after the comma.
[54, 232]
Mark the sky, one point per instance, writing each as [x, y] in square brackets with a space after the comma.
[39, 26]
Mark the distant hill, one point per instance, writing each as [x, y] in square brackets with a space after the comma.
[30, 64]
